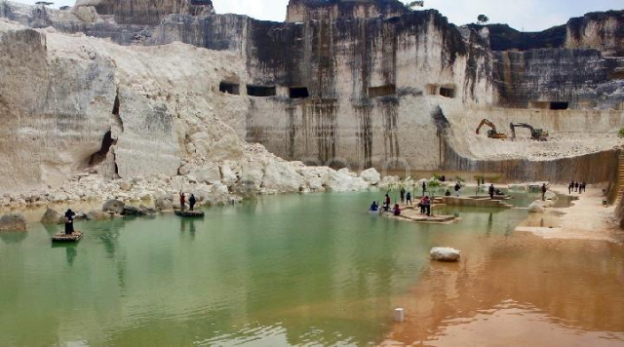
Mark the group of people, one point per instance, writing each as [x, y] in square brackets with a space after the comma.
[577, 187]
[406, 197]
[385, 208]
[192, 202]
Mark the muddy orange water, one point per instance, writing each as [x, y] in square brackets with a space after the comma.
[519, 291]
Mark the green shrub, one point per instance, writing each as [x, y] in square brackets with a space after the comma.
[621, 133]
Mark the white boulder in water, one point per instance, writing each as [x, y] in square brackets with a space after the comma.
[445, 254]
[371, 176]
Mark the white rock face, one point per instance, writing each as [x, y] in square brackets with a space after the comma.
[445, 254]
[371, 176]
[281, 177]
[343, 181]
[208, 173]
[228, 176]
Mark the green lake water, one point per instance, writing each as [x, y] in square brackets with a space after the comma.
[281, 270]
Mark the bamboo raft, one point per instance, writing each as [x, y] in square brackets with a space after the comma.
[62, 237]
[190, 214]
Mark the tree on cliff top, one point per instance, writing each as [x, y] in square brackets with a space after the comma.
[483, 19]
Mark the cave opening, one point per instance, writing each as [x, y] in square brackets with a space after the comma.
[387, 90]
[261, 91]
[229, 88]
[299, 93]
[447, 92]
[99, 156]
[559, 105]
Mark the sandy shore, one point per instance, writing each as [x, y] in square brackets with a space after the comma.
[587, 219]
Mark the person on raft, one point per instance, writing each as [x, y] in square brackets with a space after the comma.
[374, 207]
[182, 201]
[397, 210]
[69, 222]
[192, 201]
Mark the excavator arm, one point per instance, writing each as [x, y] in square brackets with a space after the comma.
[536, 134]
[493, 133]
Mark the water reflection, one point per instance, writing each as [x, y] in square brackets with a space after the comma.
[188, 224]
[13, 237]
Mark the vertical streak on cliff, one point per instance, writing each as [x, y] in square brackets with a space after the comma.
[364, 134]
[389, 110]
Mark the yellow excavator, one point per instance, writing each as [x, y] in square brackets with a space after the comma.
[536, 134]
[493, 133]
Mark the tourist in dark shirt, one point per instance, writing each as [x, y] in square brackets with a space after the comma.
[192, 202]
[69, 222]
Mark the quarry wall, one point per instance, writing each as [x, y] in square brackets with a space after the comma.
[355, 84]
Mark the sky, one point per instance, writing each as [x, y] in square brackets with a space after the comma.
[526, 15]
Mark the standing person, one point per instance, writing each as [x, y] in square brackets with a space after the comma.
[544, 190]
[424, 187]
[402, 195]
[69, 222]
[570, 187]
[492, 191]
[409, 198]
[192, 201]
[584, 184]
[182, 201]
[422, 205]
[457, 189]
[576, 186]
[428, 206]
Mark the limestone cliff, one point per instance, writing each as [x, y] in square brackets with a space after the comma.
[332, 10]
[342, 83]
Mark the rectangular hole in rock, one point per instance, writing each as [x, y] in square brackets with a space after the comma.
[261, 91]
[299, 93]
[447, 92]
[559, 105]
[431, 89]
[229, 88]
[386, 90]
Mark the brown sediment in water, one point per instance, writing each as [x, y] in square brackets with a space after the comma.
[522, 290]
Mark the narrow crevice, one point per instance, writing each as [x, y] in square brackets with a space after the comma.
[99, 156]
[116, 113]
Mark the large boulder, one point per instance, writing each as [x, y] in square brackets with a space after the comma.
[208, 174]
[253, 173]
[281, 177]
[445, 254]
[51, 217]
[13, 222]
[551, 196]
[163, 205]
[130, 211]
[343, 181]
[536, 207]
[228, 176]
[114, 206]
[371, 176]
